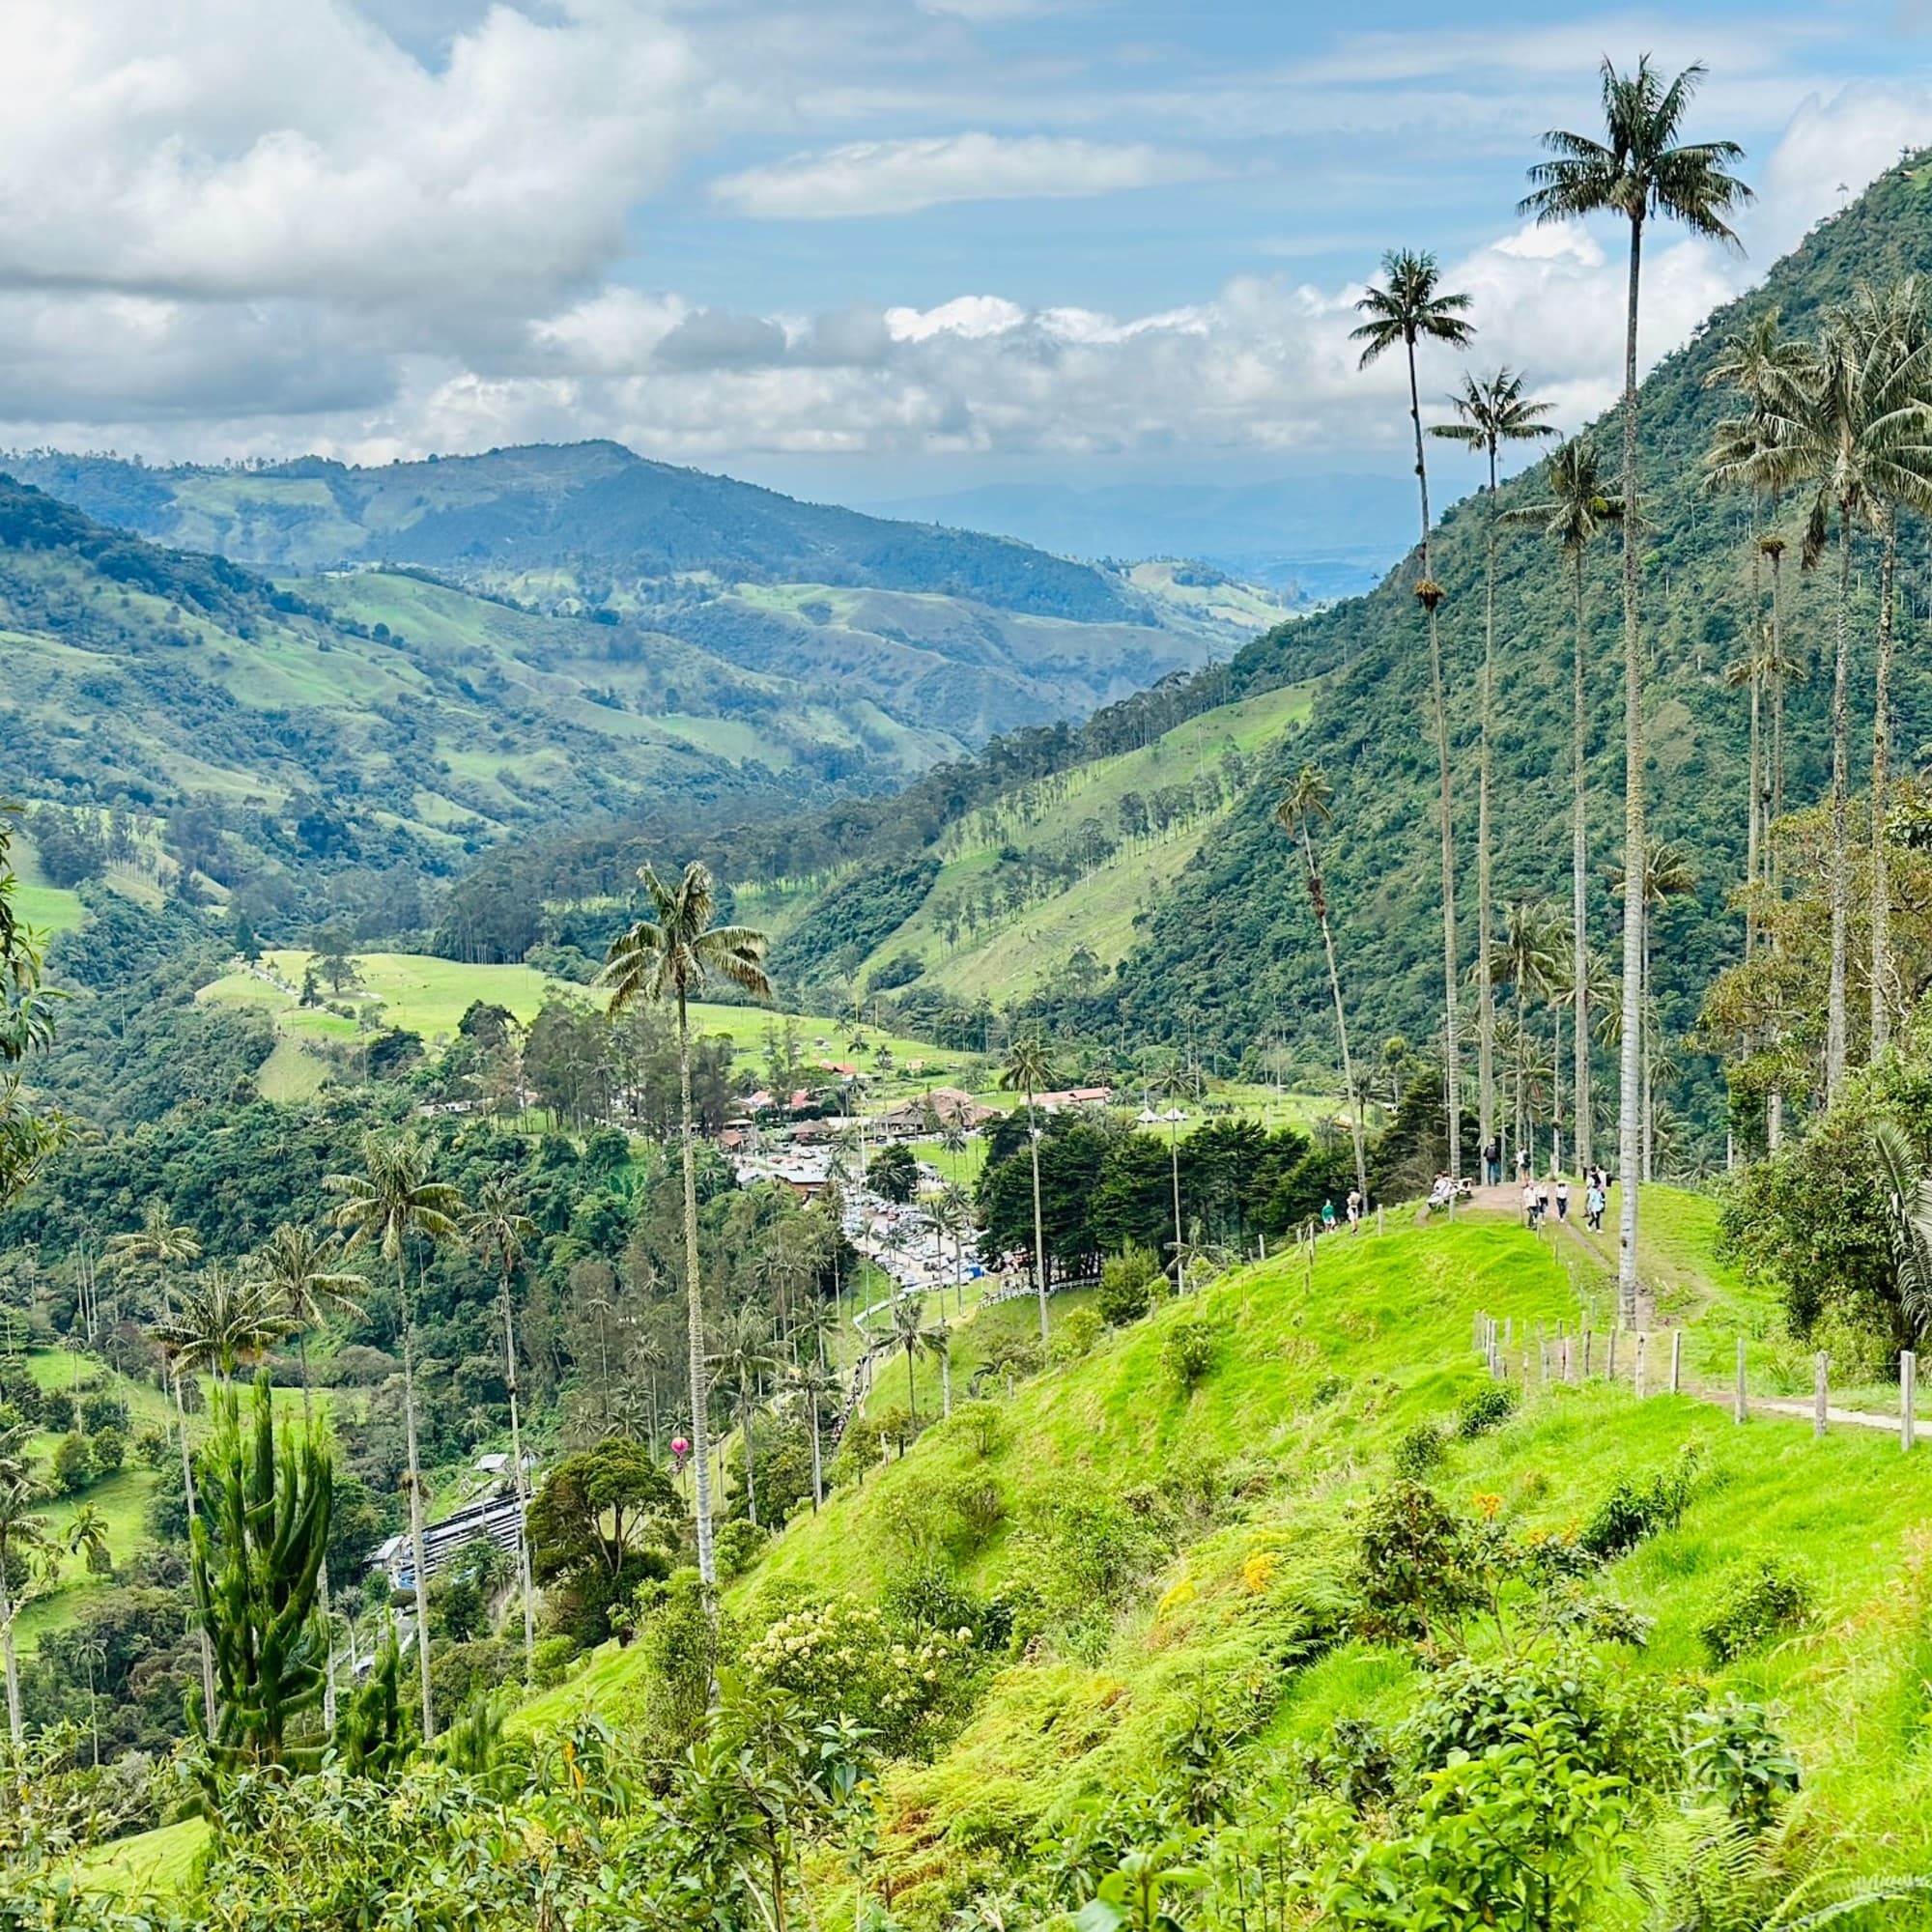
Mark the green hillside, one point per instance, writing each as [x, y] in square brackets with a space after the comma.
[378, 720]
[1246, 957]
[1067, 864]
[948, 631]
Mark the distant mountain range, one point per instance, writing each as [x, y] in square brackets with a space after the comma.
[1315, 538]
[946, 631]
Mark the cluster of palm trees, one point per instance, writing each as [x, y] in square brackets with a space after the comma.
[1641, 170]
[1844, 421]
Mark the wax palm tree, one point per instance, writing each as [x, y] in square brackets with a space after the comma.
[745, 1362]
[913, 1335]
[1028, 1068]
[301, 1271]
[84, 1534]
[1908, 1220]
[1523, 956]
[23, 1530]
[670, 957]
[499, 1232]
[223, 1322]
[1575, 511]
[1643, 172]
[952, 1212]
[1856, 427]
[1667, 875]
[1412, 306]
[391, 1203]
[809, 1382]
[1308, 800]
[953, 1138]
[1489, 415]
[1761, 364]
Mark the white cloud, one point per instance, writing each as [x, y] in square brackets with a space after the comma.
[903, 176]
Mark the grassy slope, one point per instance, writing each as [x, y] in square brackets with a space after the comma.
[1310, 1390]
[1100, 911]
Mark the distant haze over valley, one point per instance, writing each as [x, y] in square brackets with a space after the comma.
[1318, 537]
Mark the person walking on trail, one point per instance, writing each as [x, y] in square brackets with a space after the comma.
[1563, 1196]
[1327, 1217]
[1355, 1212]
[1493, 1161]
[1542, 1201]
[1529, 1206]
[1593, 1206]
[1522, 1164]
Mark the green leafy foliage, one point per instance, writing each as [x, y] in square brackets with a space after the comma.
[1763, 1601]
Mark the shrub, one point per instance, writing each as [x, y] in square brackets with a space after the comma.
[549, 1659]
[73, 1464]
[979, 1425]
[101, 1408]
[739, 1545]
[1419, 1451]
[1126, 1282]
[1638, 1508]
[848, 1659]
[1484, 1410]
[110, 1450]
[151, 1448]
[1017, 1355]
[1188, 1351]
[1417, 1563]
[57, 1412]
[1739, 1754]
[1076, 1335]
[1759, 1603]
[679, 1643]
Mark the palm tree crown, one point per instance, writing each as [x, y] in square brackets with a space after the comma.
[393, 1197]
[1640, 169]
[1494, 412]
[671, 956]
[1579, 505]
[1409, 304]
[222, 1321]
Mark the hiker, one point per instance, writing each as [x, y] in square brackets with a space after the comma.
[1530, 1204]
[1563, 1196]
[1493, 1161]
[1542, 1202]
[1327, 1217]
[1443, 1191]
[1355, 1212]
[1521, 1162]
[1593, 1206]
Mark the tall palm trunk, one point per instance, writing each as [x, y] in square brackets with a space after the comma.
[1580, 862]
[188, 1494]
[15, 1730]
[1629, 1112]
[415, 1494]
[1754, 820]
[322, 1575]
[1773, 1107]
[1320, 896]
[1841, 884]
[817, 1465]
[1039, 1223]
[750, 1473]
[1452, 1076]
[523, 1577]
[1486, 995]
[708, 1560]
[1881, 879]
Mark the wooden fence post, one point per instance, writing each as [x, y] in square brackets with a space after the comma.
[1741, 1410]
[1821, 1378]
[1611, 1367]
[1569, 1360]
[1378, 1217]
[1479, 1331]
[1908, 1397]
[1588, 1342]
[1677, 1361]
[1636, 1380]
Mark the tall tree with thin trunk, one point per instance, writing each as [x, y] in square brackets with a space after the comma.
[499, 1231]
[391, 1203]
[301, 1273]
[1489, 415]
[1412, 304]
[670, 957]
[1642, 172]
[23, 1527]
[1029, 1068]
[1575, 511]
[745, 1362]
[1308, 801]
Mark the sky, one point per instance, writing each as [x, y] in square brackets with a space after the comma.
[853, 248]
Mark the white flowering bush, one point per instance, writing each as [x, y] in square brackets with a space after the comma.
[845, 1659]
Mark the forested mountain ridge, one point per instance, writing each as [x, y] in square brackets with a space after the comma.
[945, 630]
[1231, 939]
[397, 725]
